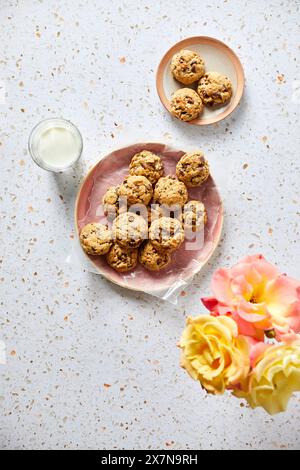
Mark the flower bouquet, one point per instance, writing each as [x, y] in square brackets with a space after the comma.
[249, 342]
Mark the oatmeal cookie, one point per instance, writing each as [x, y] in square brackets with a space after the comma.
[146, 164]
[186, 104]
[140, 209]
[194, 216]
[170, 192]
[95, 239]
[149, 213]
[152, 258]
[130, 229]
[137, 190]
[192, 169]
[214, 89]
[187, 66]
[166, 234]
[122, 259]
[154, 212]
[174, 211]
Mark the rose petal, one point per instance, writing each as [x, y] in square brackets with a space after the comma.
[283, 302]
[220, 286]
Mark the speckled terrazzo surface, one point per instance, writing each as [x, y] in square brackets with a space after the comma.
[90, 365]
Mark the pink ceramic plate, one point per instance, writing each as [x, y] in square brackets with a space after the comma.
[110, 171]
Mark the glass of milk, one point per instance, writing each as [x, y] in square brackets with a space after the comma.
[55, 144]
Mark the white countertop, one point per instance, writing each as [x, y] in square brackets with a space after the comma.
[68, 332]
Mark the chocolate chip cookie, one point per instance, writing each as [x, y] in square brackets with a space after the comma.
[136, 189]
[194, 216]
[166, 234]
[149, 213]
[152, 258]
[187, 66]
[95, 239]
[186, 104]
[121, 259]
[110, 202]
[130, 229]
[192, 169]
[214, 89]
[170, 192]
[146, 164]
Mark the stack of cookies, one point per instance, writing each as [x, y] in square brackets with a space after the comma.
[213, 89]
[149, 213]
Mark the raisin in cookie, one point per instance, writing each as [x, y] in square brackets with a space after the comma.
[186, 104]
[194, 216]
[192, 169]
[122, 259]
[152, 258]
[170, 192]
[166, 234]
[130, 229]
[214, 89]
[95, 239]
[146, 164]
[136, 189]
[187, 66]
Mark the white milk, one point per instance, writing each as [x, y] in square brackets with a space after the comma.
[55, 144]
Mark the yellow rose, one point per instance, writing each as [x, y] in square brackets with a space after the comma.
[213, 353]
[276, 375]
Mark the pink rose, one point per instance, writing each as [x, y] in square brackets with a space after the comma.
[258, 297]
